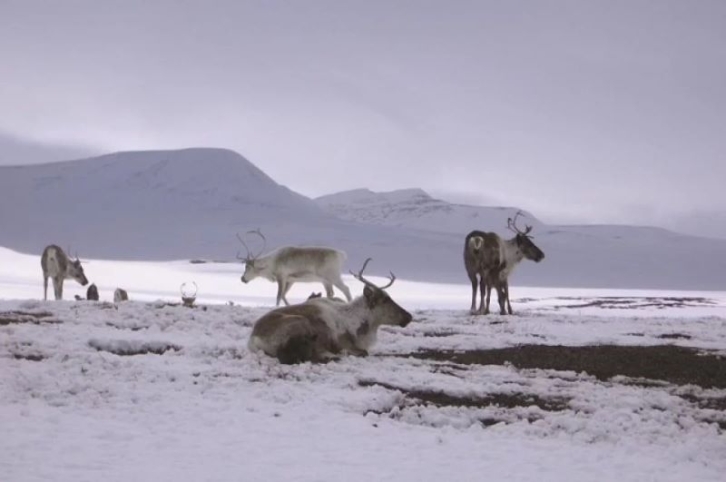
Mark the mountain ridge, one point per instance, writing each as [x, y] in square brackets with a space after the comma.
[190, 203]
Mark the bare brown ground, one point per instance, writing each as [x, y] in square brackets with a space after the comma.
[35, 317]
[669, 363]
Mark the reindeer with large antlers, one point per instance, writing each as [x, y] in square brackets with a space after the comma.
[57, 265]
[492, 259]
[290, 264]
[320, 329]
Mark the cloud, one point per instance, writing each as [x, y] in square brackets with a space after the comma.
[576, 111]
[16, 151]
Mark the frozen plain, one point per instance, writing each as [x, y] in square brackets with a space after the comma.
[78, 400]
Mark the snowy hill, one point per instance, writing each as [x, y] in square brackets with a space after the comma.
[188, 203]
[160, 204]
[183, 204]
[581, 255]
[414, 208]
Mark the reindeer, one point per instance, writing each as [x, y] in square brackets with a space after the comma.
[92, 293]
[290, 264]
[493, 259]
[58, 266]
[321, 329]
[120, 295]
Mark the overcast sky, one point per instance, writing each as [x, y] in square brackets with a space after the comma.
[597, 111]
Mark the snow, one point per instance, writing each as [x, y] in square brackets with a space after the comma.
[72, 409]
[416, 209]
[190, 203]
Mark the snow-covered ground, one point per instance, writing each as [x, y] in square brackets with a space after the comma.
[78, 403]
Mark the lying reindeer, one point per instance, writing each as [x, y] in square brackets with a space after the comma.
[288, 265]
[58, 266]
[91, 294]
[320, 329]
[493, 259]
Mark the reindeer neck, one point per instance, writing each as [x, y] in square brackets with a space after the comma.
[512, 254]
[356, 314]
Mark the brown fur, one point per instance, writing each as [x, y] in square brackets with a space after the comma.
[320, 328]
[487, 265]
[92, 293]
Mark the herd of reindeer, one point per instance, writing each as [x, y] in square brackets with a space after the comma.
[323, 328]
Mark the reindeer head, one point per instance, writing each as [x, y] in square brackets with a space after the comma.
[252, 267]
[524, 240]
[75, 271]
[383, 309]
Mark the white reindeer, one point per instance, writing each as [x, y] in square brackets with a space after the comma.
[321, 328]
[290, 264]
[58, 266]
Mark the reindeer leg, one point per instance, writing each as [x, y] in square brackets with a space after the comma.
[329, 290]
[287, 287]
[489, 294]
[474, 283]
[58, 288]
[501, 298]
[45, 287]
[279, 291]
[506, 290]
[347, 343]
[338, 283]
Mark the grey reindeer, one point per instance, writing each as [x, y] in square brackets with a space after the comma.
[321, 329]
[490, 259]
[58, 266]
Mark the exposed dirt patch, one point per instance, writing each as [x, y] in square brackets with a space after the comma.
[675, 336]
[29, 357]
[505, 400]
[129, 349]
[128, 327]
[442, 399]
[438, 334]
[165, 304]
[713, 403]
[617, 302]
[673, 364]
[35, 317]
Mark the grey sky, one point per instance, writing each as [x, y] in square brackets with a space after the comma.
[599, 111]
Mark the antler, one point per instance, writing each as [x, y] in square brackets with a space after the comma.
[70, 254]
[360, 277]
[249, 256]
[512, 225]
[184, 293]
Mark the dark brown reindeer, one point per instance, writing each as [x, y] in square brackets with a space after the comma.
[290, 264]
[321, 329]
[489, 260]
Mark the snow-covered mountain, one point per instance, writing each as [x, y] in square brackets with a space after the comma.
[182, 204]
[161, 205]
[415, 209]
[579, 255]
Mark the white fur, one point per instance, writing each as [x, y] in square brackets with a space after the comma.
[288, 265]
